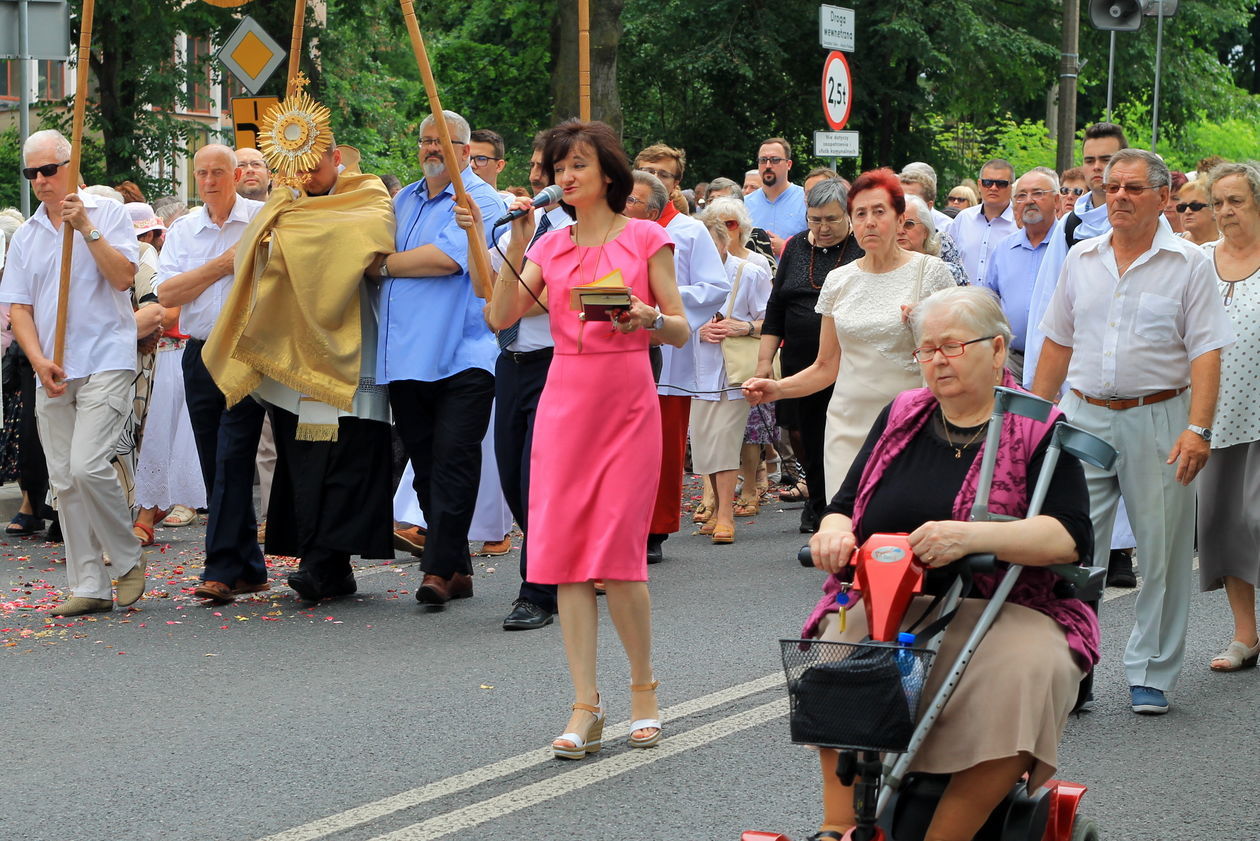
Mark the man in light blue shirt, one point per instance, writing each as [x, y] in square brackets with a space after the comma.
[1014, 264]
[779, 206]
[437, 356]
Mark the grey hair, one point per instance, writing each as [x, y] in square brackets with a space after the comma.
[460, 130]
[825, 192]
[1249, 170]
[10, 221]
[720, 184]
[1041, 170]
[976, 307]
[658, 196]
[170, 210]
[1157, 174]
[104, 192]
[46, 137]
[728, 207]
[921, 174]
[931, 245]
[750, 172]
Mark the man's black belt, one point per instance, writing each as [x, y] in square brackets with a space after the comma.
[520, 358]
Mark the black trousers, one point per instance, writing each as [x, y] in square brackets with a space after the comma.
[813, 424]
[518, 384]
[441, 424]
[227, 447]
[32, 466]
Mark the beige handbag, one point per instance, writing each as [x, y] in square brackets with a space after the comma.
[741, 352]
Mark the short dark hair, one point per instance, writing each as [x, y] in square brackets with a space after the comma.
[875, 179]
[787, 147]
[562, 139]
[824, 172]
[485, 135]
[1098, 130]
[999, 163]
[540, 140]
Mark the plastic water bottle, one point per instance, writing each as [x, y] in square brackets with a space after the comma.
[911, 668]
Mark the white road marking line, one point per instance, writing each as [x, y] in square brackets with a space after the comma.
[590, 772]
[469, 779]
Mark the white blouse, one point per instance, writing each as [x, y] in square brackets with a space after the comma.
[1237, 414]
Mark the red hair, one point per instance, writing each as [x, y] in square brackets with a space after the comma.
[876, 179]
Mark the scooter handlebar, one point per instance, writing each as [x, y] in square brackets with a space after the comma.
[986, 562]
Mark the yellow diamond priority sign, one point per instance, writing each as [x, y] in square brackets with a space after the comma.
[251, 54]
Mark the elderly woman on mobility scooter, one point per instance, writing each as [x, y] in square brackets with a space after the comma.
[917, 473]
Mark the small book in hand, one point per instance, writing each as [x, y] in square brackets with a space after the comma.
[602, 304]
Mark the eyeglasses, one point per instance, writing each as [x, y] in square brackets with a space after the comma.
[775, 161]
[482, 160]
[823, 220]
[1034, 195]
[1196, 206]
[957, 199]
[1071, 191]
[909, 224]
[632, 200]
[437, 141]
[1000, 183]
[1129, 189]
[254, 165]
[951, 350]
[47, 170]
[662, 174]
[731, 224]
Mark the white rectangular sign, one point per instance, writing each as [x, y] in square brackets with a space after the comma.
[836, 28]
[835, 144]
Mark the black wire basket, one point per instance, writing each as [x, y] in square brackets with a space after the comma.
[857, 696]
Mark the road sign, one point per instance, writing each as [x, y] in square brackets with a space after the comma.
[837, 90]
[836, 26]
[247, 113]
[835, 144]
[47, 28]
[251, 54]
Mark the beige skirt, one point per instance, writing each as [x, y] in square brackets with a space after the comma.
[1014, 698]
[717, 434]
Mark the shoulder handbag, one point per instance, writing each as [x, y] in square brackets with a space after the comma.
[741, 352]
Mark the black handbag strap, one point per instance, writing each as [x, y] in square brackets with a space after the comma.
[935, 627]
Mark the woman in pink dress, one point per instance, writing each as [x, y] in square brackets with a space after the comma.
[597, 435]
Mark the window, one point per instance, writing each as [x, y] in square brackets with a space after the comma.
[9, 80]
[199, 79]
[51, 81]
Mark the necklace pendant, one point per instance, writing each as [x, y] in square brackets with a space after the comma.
[957, 453]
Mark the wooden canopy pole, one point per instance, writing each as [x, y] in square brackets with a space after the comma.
[295, 46]
[83, 58]
[477, 254]
[584, 60]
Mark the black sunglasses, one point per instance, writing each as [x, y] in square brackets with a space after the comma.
[47, 170]
[1071, 191]
[1196, 206]
[995, 182]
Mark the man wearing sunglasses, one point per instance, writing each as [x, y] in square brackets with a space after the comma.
[82, 404]
[779, 205]
[977, 230]
[1135, 321]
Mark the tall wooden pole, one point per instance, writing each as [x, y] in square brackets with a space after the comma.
[584, 60]
[295, 45]
[83, 58]
[477, 254]
[1069, 67]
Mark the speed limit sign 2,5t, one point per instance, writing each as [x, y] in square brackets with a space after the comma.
[837, 90]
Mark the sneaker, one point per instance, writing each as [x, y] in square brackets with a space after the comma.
[1148, 700]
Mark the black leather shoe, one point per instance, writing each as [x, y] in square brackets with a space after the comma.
[526, 616]
[304, 584]
[1120, 569]
[345, 587]
[656, 548]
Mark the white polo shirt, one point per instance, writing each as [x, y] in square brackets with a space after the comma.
[100, 326]
[194, 240]
[1136, 334]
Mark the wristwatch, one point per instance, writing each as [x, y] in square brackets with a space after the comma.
[1204, 432]
[385, 267]
[92, 235]
[659, 322]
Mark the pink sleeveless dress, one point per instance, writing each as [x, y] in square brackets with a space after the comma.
[596, 456]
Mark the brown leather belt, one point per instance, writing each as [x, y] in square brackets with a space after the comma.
[1119, 403]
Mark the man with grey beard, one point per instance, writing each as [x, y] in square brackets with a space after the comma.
[1013, 268]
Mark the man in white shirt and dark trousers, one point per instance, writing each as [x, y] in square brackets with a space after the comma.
[196, 272]
[1135, 321]
[82, 405]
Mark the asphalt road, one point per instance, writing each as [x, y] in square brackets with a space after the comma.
[373, 718]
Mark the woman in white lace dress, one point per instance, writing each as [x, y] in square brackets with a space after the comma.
[865, 344]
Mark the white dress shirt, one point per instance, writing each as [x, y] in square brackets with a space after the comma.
[100, 327]
[535, 330]
[193, 241]
[977, 236]
[749, 305]
[704, 286]
[1136, 334]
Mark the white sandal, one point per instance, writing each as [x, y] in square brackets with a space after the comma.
[581, 746]
[1236, 656]
[645, 723]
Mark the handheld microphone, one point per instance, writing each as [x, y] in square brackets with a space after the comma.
[548, 196]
